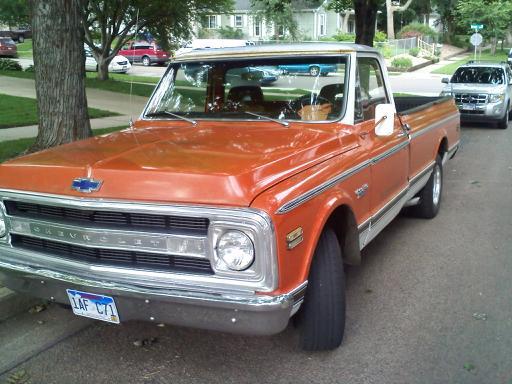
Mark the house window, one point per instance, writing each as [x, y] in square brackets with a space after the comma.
[211, 22]
[257, 28]
[322, 25]
[238, 21]
[281, 30]
[351, 27]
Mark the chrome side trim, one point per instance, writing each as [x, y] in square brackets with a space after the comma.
[292, 204]
[433, 126]
[390, 152]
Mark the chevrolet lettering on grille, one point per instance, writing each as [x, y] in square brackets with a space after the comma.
[86, 185]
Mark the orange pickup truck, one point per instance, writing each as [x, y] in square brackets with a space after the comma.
[233, 203]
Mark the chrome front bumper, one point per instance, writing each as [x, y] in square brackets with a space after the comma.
[235, 312]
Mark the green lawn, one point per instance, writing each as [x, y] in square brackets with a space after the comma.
[114, 85]
[13, 148]
[486, 56]
[25, 49]
[20, 111]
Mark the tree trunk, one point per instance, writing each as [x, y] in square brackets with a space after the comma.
[102, 68]
[390, 20]
[59, 62]
[366, 15]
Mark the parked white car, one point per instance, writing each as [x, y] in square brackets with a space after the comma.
[119, 64]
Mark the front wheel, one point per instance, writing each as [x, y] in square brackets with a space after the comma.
[314, 71]
[503, 123]
[146, 61]
[322, 317]
[430, 195]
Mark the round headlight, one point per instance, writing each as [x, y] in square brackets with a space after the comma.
[236, 250]
[2, 226]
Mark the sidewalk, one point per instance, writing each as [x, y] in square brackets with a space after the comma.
[441, 63]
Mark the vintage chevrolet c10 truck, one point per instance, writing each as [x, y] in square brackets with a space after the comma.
[229, 205]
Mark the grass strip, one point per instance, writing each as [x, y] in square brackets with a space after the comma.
[21, 111]
[12, 148]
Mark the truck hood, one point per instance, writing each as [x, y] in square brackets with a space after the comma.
[475, 88]
[212, 164]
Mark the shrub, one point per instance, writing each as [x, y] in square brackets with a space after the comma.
[414, 52]
[340, 36]
[415, 30]
[230, 33]
[30, 68]
[386, 51]
[9, 65]
[380, 37]
[401, 63]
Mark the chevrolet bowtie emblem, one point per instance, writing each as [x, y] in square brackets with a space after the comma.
[86, 185]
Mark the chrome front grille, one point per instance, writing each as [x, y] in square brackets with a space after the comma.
[145, 240]
[114, 257]
[128, 220]
[470, 98]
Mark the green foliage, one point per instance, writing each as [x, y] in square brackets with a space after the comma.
[386, 51]
[278, 13]
[340, 36]
[9, 65]
[495, 15]
[14, 12]
[380, 37]
[230, 33]
[414, 52]
[30, 68]
[401, 63]
[416, 29]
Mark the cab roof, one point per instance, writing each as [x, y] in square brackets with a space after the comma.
[274, 50]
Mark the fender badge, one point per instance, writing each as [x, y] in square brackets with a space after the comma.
[360, 192]
[294, 238]
[86, 185]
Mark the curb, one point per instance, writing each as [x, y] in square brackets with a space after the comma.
[12, 303]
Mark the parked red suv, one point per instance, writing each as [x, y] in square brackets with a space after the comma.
[146, 53]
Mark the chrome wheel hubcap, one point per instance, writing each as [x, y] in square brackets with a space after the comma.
[436, 193]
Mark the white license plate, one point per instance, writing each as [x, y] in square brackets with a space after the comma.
[469, 107]
[125, 66]
[94, 306]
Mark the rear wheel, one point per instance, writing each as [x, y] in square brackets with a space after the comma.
[322, 317]
[430, 195]
[146, 61]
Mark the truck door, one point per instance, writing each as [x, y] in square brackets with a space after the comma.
[389, 155]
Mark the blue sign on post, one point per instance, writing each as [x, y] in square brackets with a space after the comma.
[477, 26]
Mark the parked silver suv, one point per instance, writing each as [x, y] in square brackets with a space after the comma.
[482, 92]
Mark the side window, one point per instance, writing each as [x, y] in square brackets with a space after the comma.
[370, 89]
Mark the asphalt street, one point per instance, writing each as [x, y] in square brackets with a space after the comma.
[431, 303]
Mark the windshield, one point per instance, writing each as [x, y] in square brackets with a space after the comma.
[282, 89]
[479, 75]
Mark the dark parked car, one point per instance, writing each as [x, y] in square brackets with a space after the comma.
[19, 35]
[8, 47]
[145, 53]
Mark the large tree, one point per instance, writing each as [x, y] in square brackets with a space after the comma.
[390, 10]
[495, 15]
[446, 11]
[110, 24]
[59, 63]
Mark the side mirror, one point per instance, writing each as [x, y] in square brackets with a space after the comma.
[384, 119]
[445, 80]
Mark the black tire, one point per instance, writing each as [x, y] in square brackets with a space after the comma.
[314, 70]
[503, 123]
[430, 195]
[146, 61]
[321, 319]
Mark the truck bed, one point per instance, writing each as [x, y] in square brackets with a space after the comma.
[409, 104]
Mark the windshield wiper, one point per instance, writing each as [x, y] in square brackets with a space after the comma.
[285, 123]
[160, 113]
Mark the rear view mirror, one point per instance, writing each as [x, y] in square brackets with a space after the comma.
[384, 119]
[445, 80]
